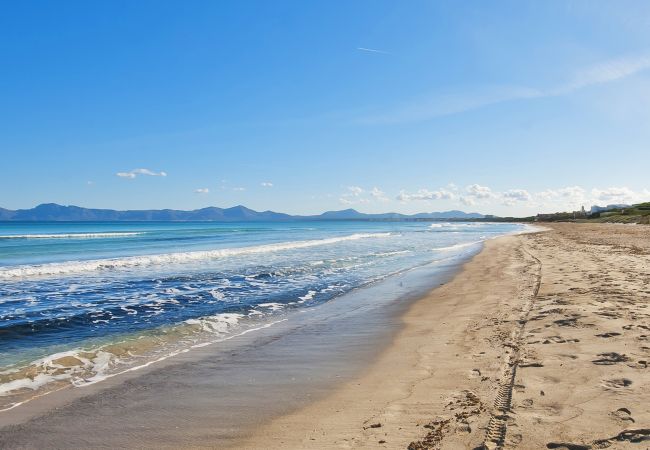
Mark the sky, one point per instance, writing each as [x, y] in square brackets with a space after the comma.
[501, 107]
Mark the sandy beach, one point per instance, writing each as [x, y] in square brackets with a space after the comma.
[542, 341]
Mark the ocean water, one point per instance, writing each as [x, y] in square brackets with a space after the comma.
[80, 302]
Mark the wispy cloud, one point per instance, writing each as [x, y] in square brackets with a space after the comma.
[135, 172]
[429, 107]
[372, 50]
[353, 194]
[605, 72]
[513, 196]
[202, 191]
[239, 189]
[266, 184]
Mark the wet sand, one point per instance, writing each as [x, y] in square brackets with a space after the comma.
[212, 397]
[542, 341]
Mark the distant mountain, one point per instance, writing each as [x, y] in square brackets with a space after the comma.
[55, 212]
[352, 214]
[6, 214]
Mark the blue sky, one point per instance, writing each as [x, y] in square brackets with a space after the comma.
[505, 107]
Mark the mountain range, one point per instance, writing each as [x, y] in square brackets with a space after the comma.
[55, 212]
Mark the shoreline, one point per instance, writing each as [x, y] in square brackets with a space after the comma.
[540, 340]
[285, 367]
[396, 401]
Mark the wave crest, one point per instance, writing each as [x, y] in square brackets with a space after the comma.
[115, 234]
[72, 267]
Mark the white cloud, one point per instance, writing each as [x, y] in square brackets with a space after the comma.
[573, 197]
[519, 195]
[378, 194]
[467, 201]
[572, 192]
[239, 189]
[202, 191]
[425, 194]
[355, 191]
[614, 195]
[357, 194]
[478, 191]
[569, 196]
[266, 184]
[135, 172]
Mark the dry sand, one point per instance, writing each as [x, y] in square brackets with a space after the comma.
[542, 341]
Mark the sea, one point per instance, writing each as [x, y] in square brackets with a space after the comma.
[81, 302]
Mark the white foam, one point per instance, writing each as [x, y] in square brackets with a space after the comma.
[308, 296]
[219, 323]
[72, 267]
[71, 235]
[397, 252]
[49, 370]
[216, 294]
[103, 361]
[272, 306]
[455, 246]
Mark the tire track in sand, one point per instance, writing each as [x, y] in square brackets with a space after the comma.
[497, 426]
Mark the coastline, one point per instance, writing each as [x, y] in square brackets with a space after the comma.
[212, 395]
[539, 340]
[431, 362]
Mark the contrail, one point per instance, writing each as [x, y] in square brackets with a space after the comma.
[372, 50]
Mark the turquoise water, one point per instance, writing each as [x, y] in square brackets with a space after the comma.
[77, 289]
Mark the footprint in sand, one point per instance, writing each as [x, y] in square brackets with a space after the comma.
[608, 335]
[635, 436]
[623, 415]
[527, 402]
[558, 340]
[607, 359]
[568, 321]
[617, 383]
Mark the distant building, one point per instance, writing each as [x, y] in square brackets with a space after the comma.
[597, 209]
[580, 214]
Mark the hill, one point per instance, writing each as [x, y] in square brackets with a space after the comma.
[639, 213]
[56, 212]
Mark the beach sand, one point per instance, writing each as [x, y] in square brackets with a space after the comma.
[542, 341]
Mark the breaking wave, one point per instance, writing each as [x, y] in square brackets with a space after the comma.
[72, 267]
[115, 234]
